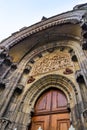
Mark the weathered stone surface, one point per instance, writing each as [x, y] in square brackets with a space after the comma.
[49, 54]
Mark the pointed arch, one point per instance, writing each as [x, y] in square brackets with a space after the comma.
[49, 81]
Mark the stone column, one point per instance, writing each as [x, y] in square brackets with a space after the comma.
[83, 90]
[11, 85]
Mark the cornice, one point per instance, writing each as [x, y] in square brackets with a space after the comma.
[68, 17]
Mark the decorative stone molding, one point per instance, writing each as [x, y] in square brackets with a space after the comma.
[2, 84]
[84, 17]
[85, 114]
[27, 69]
[4, 54]
[79, 76]
[4, 122]
[47, 82]
[3, 51]
[14, 66]
[84, 26]
[84, 45]
[31, 61]
[74, 58]
[8, 61]
[84, 33]
[1, 61]
[50, 50]
[80, 7]
[85, 111]
[69, 17]
[78, 73]
[19, 88]
[68, 107]
[2, 47]
[31, 111]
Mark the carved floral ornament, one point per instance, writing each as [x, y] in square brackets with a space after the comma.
[51, 62]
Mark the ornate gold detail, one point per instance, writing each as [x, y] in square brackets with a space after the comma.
[54, 61]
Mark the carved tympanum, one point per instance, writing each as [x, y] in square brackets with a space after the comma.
[51, 62]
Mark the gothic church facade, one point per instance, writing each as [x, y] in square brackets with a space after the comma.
[43, 74]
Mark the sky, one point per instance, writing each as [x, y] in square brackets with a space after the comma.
[16, 14]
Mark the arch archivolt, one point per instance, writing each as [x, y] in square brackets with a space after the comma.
[71, 44]
[22, 65]
[47, 82]
[23, 33]
[31, 94]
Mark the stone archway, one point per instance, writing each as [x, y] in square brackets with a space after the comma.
[47, 82]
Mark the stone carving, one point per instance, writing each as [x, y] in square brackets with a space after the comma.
[85, 114]
[2, 47]
[51, 62]
[80, 6]
[68, 71]
[4, 123]
[31, 79]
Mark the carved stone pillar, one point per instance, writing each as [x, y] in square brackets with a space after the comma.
[85, 117]
[11, 86]
[20, 120]
[84, 69]
[23, 79]
[80, 120]
[5, 63]
[19, 88]
[83, 90]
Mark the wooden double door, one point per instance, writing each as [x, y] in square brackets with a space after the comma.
[51, 112]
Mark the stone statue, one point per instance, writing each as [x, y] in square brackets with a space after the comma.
[71, 128]
[40, 128]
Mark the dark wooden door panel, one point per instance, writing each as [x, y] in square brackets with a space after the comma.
[52, 100]
[59, 100]
[44, 103]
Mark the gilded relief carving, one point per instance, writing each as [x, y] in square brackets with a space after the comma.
[54, 61]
